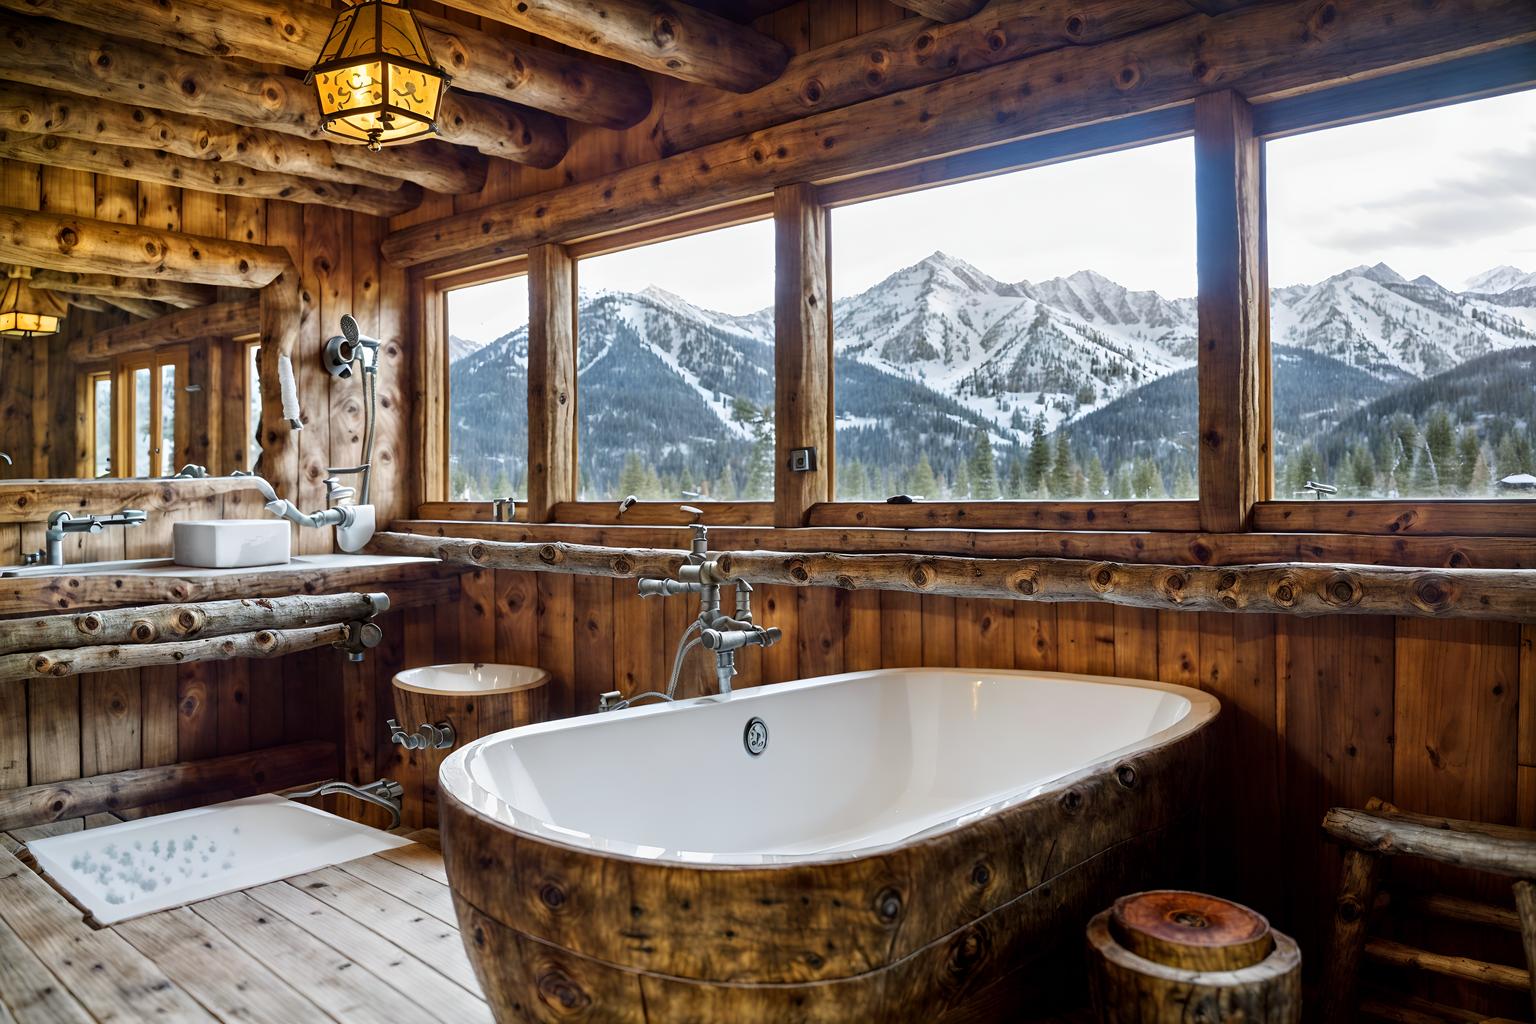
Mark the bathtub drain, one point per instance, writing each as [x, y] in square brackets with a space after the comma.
[755, 736]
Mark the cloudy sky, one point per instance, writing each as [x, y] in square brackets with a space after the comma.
[1447, 192]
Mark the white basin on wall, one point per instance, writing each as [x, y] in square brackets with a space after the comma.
[230, 543]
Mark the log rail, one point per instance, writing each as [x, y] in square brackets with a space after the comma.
[1288, 588]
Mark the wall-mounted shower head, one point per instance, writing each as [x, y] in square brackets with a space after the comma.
[354, 334]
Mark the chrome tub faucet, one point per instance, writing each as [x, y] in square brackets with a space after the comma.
[716, 631]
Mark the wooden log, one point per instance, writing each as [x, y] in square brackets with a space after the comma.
[53, 55]
[1456, 908]
[1129, 988]
[1190, 930]
[451, 519]
[1498, 849]
[258, 771]
[90, 302]
[1525, 905]
[1294, 588]
[903, 55]
[551, 380]
[166, 622]
[671, 39]
[172, 293]
[233, 319]
[1397, 954]
[802, 301]
[1341, 971]
[202, 175]
[291, 33]
[440, 168]
[263, 643]
[1263, 52]
[55, 242]
[1232, 309]
[1297, 588]
[942, 10]
[144, 309]
[281, 316]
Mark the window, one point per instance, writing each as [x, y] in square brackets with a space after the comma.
[150, 429]
[1403, 304]
[252, 403]
[98, 427]
[1030, 335]
[675, 369]
[487, 333]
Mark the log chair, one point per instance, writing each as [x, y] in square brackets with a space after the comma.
[1382, 830]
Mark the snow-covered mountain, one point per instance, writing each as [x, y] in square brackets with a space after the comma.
[939, 352]
[459, 347]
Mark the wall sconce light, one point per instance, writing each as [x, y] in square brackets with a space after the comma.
[375, 79]
[26, 312]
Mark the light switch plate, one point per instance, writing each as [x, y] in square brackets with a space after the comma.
[802, 460]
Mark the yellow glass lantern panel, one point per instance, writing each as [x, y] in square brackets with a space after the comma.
[25, 312]
[375, 80]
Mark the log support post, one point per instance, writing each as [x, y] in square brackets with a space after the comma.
[1525, 903]
[1233, 313]
[551, 380]
[802, 352]
[280, 317]
[1357, 893]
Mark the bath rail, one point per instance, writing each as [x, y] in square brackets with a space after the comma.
[1295, 588]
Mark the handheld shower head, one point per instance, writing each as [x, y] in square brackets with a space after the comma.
[354, 335]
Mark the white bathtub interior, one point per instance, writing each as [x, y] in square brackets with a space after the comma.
[139, 867]
[852, 762]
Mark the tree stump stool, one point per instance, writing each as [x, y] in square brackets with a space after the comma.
[1168, 956]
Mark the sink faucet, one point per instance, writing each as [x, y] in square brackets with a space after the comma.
[718, 632]
[63, 522]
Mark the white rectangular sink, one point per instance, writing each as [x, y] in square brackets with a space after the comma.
[231, 543]
[167, 567]
[139, 867]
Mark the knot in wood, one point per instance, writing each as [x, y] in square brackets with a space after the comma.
[1128, 77]
[190, 619]
[90, 624]
[1282, 590]
[812, 90]
[1026, 582]
[552, 896]
[888, 906]
[476, 552]
[1343, 590]
[622, 566]
[996, 40]
[846, 582]
[1102, 577]
[981, 874]
[142, 631]
[1126, 776]
[1172, 585]
[560, 991]
[664, 31]
[968, 951]
[266, 638]
[921, 575]
[1072, 801]
[1075, 26]
[549, 554]
[798, 571]
[1433, 592]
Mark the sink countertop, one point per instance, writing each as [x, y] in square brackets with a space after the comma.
[159, 580]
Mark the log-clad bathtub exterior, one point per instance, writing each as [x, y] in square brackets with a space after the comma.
[935, 927]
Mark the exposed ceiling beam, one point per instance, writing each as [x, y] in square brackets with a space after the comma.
[291, 32]
[220, 320]
[202, 175]
[54, 55]
[1263, 52]
[903, 55]
[172, 293]
[26, 108]
[671, 39]
[942, 10]
[94, 303]
[53, 242]
[144, 309]
[742, 10]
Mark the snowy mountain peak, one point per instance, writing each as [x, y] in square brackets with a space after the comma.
[1380, 273]
[1499, 279]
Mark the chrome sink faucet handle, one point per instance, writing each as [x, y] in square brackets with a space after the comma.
[64, 522]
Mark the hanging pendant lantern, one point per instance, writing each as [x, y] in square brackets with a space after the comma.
[375, 79]
[26, 312]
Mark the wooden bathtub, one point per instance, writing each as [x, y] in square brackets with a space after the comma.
[907, 843]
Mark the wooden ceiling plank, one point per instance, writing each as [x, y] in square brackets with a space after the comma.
[53, 242]
[26, 108]
[671, 39]
[172, 293]
[291, 34]
[942, 10]
[202, 175]
[88, 61]
[1263, 52]
[909, 53]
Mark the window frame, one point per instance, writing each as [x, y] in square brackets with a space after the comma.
[124, 415]
[1454, 81]
[89, 378]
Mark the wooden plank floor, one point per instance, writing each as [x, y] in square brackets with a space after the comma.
[372, 941]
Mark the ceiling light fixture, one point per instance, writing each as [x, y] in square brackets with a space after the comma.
[375, 79]
[26, 312]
